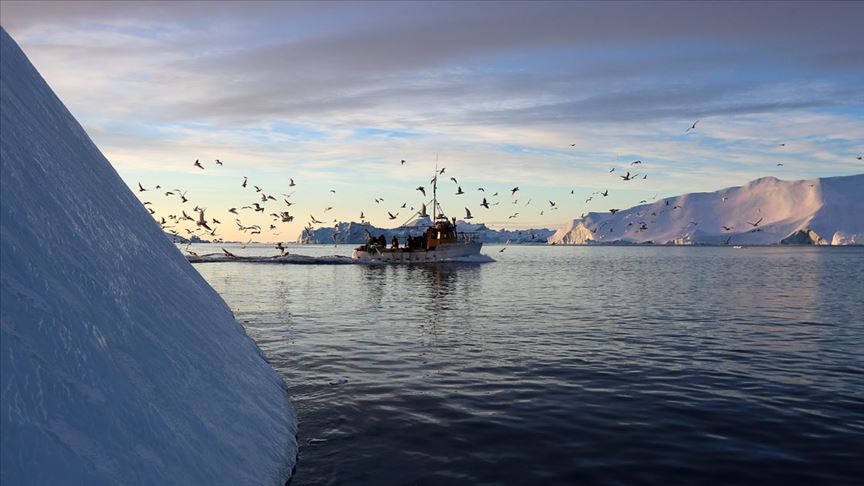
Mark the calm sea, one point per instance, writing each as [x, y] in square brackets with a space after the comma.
[567, 364]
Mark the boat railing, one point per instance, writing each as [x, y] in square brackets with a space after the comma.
[469, 237]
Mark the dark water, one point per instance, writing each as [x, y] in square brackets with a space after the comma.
[557, 365]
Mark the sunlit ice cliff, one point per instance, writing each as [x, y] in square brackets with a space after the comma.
[766, 211]
[357, 233]
[119, 364]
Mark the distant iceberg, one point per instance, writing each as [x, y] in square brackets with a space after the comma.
[119, 364]
[357, 233]
[766, 211]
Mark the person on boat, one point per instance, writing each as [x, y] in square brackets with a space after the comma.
[382, 242]
[394, 243]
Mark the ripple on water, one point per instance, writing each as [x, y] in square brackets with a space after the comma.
[568, 365]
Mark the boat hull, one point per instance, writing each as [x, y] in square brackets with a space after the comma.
[442, 253]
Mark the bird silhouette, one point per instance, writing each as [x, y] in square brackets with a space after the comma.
[459, 191]
[514, 191]
[422, 190]
[392, 216]
[468, 214]
[141, 188]
[454, 180]
[613, 211]
[484, 203]
[291, 182]
[198, 164]
[219, 162]
[692, 127]
[756, 223]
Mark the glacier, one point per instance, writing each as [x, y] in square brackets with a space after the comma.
[356, 233]
[119, 364]
[766, 211]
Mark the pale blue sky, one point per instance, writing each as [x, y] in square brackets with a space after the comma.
[335, 95]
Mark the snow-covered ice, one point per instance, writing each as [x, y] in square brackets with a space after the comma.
[765, 211]
[120, 364]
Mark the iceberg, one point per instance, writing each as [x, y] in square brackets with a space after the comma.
[119, 364]
[766, 211]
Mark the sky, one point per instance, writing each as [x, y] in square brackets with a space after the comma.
[548, 97]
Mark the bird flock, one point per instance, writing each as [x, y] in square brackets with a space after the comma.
[279, 209]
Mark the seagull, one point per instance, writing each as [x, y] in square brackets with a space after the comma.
[315, 220]
[422, 190]
[605, 193]
[259, 208]
[468, 214]
[141, 188]
[291, 182]
[361, 214]
[552, 204]
[779, 164]
[644, 177]
[245, 180]
[198, 164]
[233, 210]
[728, 228]
[202, 223]
[512, 215]
[403, 162]
[328, 208]
[484, 203]
[257, 189]
[636, 162]
[572, 144]
[459, 191]
[219, 162]
[513, 191]
[612, 170]
[589, 199]
[756, 223]
[333, 191]
[627, 177]
[454, 180]
[484, 190]
[403, 205]
[392, 216]
[781, 145]
[228, 253]
[692, 127]
[613, 211]
[502, 250]
[442, 170]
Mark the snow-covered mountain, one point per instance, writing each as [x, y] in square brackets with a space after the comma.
[119, 364]
[825, 211]
[356, 233]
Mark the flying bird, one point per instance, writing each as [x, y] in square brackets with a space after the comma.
[459, 191]
[245, 180]
[233, 210]
[422, 190]
[484, 203]
[612, 170]
[513, 191]
[198, 164]
[403, 162]
[219, 162]
[756, 223]
[228, 253]
[291, 182]
[613, 211]
[141, 188]
[392, 216]
[636, 162]
[442, 170]
[605, 193]
[692, 127]
[468, 214]
[484, 190]
[454, 180]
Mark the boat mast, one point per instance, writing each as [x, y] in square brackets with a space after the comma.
[435, 192]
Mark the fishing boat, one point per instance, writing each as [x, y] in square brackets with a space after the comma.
[439, 240]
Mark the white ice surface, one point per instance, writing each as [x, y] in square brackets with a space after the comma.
[832, 207]
[119, 364]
